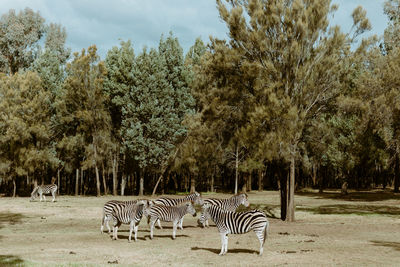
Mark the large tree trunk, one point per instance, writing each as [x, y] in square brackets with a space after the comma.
[212, 183]
[77, 182]
[283, 182]
[123, 184]
[82, 187]
[141, 183]
[236, 169]
[104, 180]
[58, 182]
[115, 172]
[290, 210]
[14, 187]
[314, 173]
[97, 180]
[192, 183]
[260, 180]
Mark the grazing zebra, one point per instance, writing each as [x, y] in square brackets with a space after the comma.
[166, 201]
[172, 214]
[127, 212]
[44, 189]
[107, 211]
[230, 222]
[229, 204]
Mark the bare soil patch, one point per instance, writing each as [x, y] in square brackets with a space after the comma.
[330, 230]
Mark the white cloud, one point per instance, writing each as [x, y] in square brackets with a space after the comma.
[104, 22]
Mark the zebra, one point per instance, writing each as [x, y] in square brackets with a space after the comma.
[230, 222]
[107, 211]
[127, 212]
[172, 214]
[166, 201]
[229, 204]
[44, 189]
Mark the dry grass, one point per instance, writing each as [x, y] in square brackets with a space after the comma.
[329, 231]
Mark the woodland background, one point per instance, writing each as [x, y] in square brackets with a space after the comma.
[289, 101]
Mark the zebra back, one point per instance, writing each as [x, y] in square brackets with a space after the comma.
[235, 222]
[166, 201]
[127, 211]
[170, 213]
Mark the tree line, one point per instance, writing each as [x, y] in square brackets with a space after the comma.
[288, 101]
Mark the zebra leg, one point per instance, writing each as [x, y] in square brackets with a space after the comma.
[152, 222]
[181, 223]
[54, 196]
[226, 244]
[107, 220]
[130, 230]
[222, 244]
[206, 223]
[136, 230]
[44, 197]
[261, 235]
[40, 197]
[159, 224]
[174, 226]
[115, 230]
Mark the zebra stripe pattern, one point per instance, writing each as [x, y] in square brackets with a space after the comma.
[127, 212]
[229, 222]
[229, 204]
[168, 214]
[44, 189]
[107, 213]
[166, 201]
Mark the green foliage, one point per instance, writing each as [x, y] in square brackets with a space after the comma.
[19, 33]
[25, 126]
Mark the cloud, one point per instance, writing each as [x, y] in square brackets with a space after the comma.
[104, 22]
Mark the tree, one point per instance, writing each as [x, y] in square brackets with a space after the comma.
[118, 82]
[298, 60]
[82, 110]
[19, 33]
[25, 127]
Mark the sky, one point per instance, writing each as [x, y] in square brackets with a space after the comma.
[104, 22]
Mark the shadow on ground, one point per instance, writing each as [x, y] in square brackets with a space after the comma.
[10, 260]
[374, 195]
[9, 218]
[235, 250]
[352, 209]
[394, 245]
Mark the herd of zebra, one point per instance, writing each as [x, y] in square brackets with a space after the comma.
[221, 211]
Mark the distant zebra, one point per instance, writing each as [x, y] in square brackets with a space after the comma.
[44, 189]
[127, 212]
[166, 201]
[229, 222]
[173, 214]
[228, 204]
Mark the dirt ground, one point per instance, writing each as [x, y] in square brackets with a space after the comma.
[361, 229]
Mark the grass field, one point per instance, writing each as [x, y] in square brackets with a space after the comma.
[362, 229]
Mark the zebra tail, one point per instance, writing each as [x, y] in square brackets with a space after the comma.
[266, 230]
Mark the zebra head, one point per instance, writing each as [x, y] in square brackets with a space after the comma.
[147, 206]
[243, 199]
[197, 199]
[205, 215]
[190, 209]
[34, 194]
